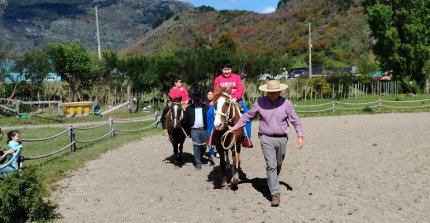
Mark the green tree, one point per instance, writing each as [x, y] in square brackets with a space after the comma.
[226, 42]
[133, 71]
[402, 36]
[35, 66]
[74, 64]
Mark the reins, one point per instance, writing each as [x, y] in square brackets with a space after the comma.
[229, 131]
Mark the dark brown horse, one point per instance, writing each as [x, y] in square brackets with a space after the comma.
[175, 131]
[227, 113]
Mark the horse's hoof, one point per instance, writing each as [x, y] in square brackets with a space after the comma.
[234, 181]
[234, 187]
[224, 186]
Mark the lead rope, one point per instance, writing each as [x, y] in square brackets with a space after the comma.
[233, 141]
[194, 143]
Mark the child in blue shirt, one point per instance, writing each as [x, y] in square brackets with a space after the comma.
[14, 144]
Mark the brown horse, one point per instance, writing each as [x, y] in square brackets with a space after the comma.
[227, 113]
[175, 131]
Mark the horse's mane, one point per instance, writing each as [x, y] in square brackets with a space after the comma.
[219, 91]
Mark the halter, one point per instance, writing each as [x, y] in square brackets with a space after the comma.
[180, 110]
[227, 114]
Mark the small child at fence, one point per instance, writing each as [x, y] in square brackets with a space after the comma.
[8, 155]
[14, 144]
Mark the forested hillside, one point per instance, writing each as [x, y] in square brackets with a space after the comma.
[340, 33]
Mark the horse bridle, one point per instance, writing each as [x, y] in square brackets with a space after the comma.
[227, 114]
[171, 113]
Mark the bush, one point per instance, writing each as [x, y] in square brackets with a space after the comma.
[23, 198]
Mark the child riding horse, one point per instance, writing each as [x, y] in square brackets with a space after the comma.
[177, 136]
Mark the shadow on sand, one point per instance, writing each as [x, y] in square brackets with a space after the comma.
[259, 184]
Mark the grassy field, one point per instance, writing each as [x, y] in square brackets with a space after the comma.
[363, 105]
[56, 167]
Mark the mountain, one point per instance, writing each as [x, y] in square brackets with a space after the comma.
[30, 23]
[340, 33]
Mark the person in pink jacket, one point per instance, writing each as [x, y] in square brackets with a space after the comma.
[228, 79]
[177, 91]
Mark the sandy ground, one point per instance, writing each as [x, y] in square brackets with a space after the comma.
[370, 168]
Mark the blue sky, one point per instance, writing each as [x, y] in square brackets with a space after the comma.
[260, 6]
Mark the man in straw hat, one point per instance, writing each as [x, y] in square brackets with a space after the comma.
[275, 111]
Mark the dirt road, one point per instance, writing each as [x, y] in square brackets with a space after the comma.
[369, 168]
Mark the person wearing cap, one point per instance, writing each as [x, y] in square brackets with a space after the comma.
[228, 79]
[275, 112]
[194, 123]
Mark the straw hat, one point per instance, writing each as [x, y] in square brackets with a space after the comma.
[273, 86]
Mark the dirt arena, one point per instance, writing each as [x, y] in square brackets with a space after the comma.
[368, 168]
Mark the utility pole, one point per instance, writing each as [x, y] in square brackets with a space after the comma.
[98, 35]
[310, 51]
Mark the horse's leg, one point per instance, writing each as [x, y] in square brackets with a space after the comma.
[181, 148]
[222, 164]
[235, 168]
[175, 150]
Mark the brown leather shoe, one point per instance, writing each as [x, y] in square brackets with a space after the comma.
[276, 200]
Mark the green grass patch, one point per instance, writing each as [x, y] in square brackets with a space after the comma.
[363, 105]
[56, 167]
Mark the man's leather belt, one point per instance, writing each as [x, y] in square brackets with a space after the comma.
[274, 136]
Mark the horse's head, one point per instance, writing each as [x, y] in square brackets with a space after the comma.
[176, 113]
[224, 109]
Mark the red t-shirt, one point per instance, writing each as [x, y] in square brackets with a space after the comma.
[176, 92]
[233, 81]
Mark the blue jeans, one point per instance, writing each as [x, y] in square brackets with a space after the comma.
[199, 137]
[7, 169]
[211, 151]
[248, 124]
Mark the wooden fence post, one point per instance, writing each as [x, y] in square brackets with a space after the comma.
[334, 106]
[72, 138]
[17, 108]
[379, 104]
[111, 126]
[427, 86]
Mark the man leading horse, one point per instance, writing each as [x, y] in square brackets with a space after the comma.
[275, 112]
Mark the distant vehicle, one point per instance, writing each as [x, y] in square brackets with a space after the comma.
[265, 76]
[386, 77]
[382, 75]
[304, 72]
[282, 75]
[298, 73]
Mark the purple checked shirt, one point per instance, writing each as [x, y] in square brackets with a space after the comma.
[273, 116]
